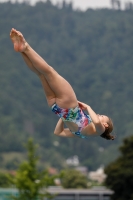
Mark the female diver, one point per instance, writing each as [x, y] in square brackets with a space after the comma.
[61, 97]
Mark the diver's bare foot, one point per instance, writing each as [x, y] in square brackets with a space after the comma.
[18, 40]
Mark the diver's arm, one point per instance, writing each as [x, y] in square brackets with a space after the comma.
[95, 119]
[59, 127]
[61, 131]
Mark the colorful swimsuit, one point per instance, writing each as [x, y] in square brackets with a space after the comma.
[75, 115]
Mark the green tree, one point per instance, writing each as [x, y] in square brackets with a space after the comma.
[32, 183]
[71, 178]
[120, 172]
[5, 180]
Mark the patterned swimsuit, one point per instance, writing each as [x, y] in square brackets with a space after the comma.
[75, 115]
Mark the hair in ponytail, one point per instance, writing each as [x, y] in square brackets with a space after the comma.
[107, 131]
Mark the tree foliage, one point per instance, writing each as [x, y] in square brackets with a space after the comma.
[71, 178]
[120, 172]
[30, 182]
[5, 180]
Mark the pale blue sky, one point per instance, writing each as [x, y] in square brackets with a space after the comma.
[84, 4]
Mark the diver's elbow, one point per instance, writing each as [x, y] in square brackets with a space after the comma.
[56, 133]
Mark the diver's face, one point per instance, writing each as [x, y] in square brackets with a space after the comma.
[103, 118]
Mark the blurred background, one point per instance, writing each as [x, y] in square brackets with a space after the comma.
[91, 45]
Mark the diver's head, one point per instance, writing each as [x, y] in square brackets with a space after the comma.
[108, 124]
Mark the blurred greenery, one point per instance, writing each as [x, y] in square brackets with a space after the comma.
[70, 178]
[30, 182]
[5, 180]
[93, 51]
[120, 172]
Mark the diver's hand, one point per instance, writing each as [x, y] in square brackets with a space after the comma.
[82, 105]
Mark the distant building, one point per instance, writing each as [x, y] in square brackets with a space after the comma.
[73, 161]
[98, 175]
[96, 193]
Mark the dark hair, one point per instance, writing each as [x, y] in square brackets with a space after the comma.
[107, 131]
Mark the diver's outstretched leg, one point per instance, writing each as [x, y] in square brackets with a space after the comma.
[64, 94]
[50, 96]
[29, 64]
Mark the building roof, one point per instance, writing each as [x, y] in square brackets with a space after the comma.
[94, 190]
